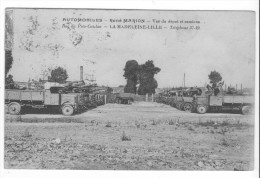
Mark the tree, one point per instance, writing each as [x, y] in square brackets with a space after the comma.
[131, 74]
[214, 78]
[109, 90]
[9, 29]
[147, 85]
[146, 78]
[8, 61]
[58, 75]
[142, 74]
[9, 82]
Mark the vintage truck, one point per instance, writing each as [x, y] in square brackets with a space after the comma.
[210, 101]
[184, 100]
[124, 98]
[53, 97]
[178, 99]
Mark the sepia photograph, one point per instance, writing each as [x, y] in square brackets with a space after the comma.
[129, 89]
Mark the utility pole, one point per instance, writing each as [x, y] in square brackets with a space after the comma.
[81, 73]
[184, 81]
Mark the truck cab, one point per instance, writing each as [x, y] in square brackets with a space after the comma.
[68, 102]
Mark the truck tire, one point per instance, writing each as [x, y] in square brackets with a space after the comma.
[201, 109]
[14, 108]
[67, 110]
[187, 107]
[246, 110]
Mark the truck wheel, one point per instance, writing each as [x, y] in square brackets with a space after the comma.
[67, 110]
[14, 108]
[246, 110]
[201, 109]
[187, 107]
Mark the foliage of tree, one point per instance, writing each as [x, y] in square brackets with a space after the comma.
[9, 82]
[58, 75]
[109, 90]
[8, 61]
[148, 84]
[214, 78]
[142, 75]
[130, 86]
[131, 75]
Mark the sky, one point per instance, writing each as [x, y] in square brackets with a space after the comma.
[225, 42]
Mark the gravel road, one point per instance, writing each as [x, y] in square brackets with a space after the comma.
[140, 136]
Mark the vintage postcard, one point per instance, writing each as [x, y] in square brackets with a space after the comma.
[99, 89]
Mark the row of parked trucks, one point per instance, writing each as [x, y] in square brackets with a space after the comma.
[59, 98]
[70, 99]
[202, 100]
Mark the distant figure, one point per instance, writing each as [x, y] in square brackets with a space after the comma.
[199, 91]
[218, 88]
[216, 91]
[220, 84]
[209, 88]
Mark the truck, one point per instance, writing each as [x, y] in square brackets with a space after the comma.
[220, 101]
[184, 101]
[178, 100]
[53, 97]
[124, 98]
[170, 97]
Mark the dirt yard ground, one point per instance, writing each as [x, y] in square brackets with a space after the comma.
[141, 136]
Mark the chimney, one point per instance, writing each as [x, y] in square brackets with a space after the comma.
[81, 73]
